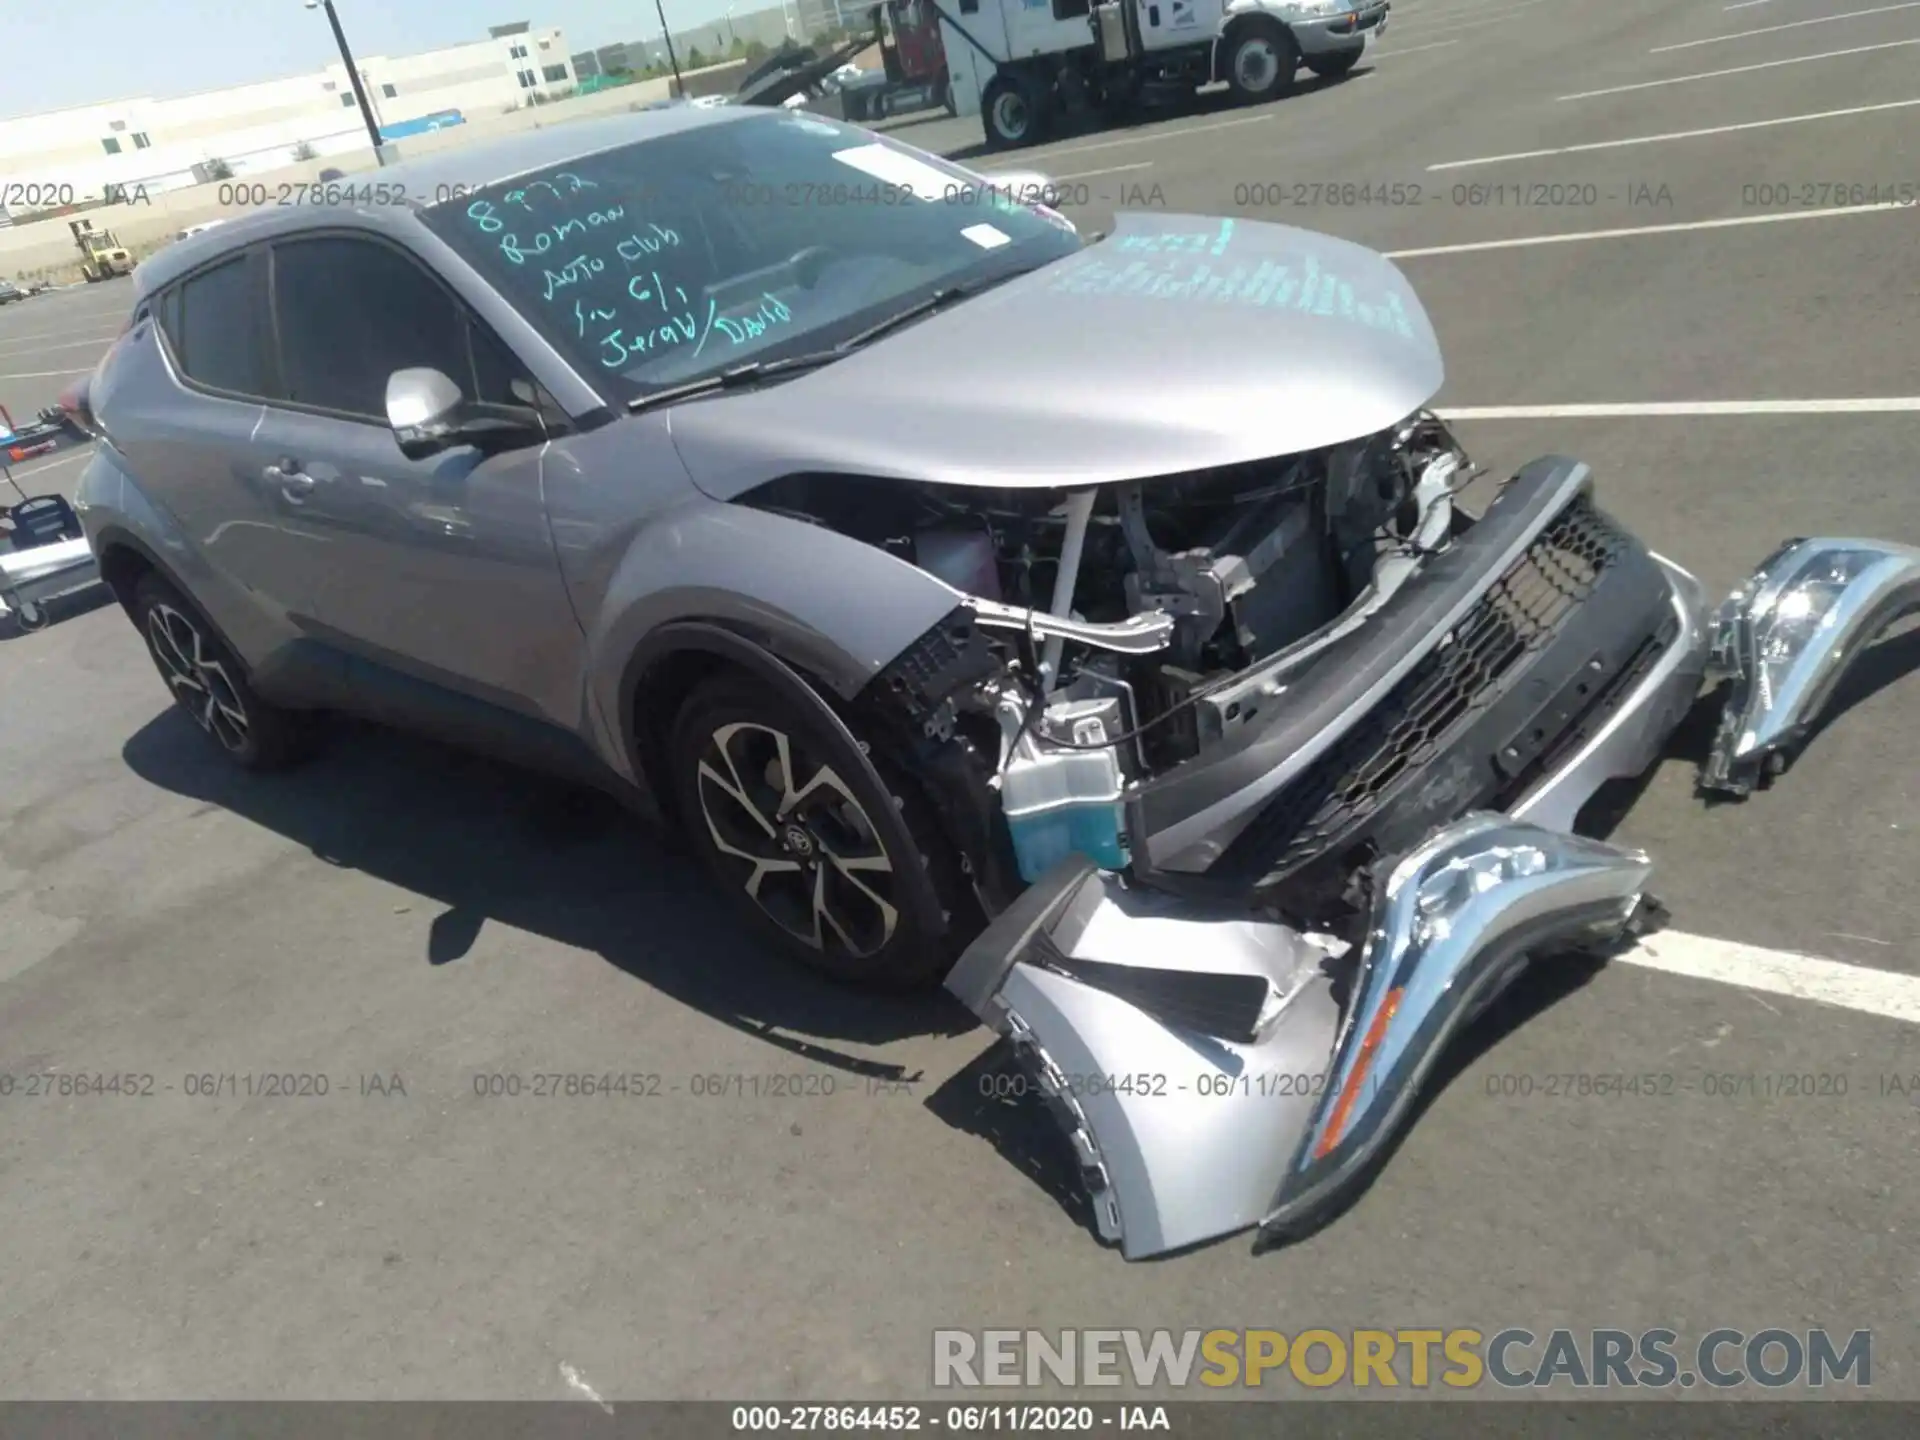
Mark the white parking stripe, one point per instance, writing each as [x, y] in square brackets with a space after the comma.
[65, 345]
[1747, 4]
[1888, 405]
[1885, 993]
[1740, 69]
[42, 374]
[1388, 52]
[1149, 139]
[1674, 135]
[1110, 170]
[1790, 25]
[1627, 231]
[1491, 19]
[27, 474]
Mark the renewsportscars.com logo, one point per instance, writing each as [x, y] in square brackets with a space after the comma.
[1458, 1359]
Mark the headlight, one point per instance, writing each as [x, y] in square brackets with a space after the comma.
[1785, 637]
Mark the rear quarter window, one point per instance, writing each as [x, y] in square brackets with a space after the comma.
[210, 323]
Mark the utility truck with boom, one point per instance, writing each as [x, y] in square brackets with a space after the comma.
[1023, 65]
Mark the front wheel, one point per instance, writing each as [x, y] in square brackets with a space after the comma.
[1332, 67]
[1015, 111]
[847, 877]
[209, 683]
[1262, 61]
[30, 615]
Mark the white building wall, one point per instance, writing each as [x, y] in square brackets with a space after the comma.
[157, 143]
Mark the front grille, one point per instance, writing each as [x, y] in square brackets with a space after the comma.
[1419, 718]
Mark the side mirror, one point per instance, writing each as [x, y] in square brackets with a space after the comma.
[424, 410]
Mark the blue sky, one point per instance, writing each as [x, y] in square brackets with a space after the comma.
[61, 56]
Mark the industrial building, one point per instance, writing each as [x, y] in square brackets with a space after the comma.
[80, 154]
[771, 26]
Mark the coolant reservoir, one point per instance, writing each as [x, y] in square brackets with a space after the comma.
[1061, 801]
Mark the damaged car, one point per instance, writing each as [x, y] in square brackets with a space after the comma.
[1104, 627]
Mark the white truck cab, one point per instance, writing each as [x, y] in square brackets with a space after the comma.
[1019, 64]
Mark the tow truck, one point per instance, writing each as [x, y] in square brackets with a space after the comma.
[102, 255]
[1023, 65]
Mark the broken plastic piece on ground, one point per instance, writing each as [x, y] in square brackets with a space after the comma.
[1786, 637]
[1196, 1055]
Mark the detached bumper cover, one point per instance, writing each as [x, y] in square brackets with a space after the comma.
[1785, 638]
[1197, 1058]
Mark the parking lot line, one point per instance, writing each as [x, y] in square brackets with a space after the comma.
[1633, 409]
[1489, 18]
[1156, 135]
[1520, 242]
[1740, 69]
[43, 374]
[1885, 993]
[63, 345]
[1673, 135]
[85, 454]
[1110, 170]
[1387, 54]
[1790, 25]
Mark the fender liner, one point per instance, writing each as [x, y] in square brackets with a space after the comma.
[681, 637]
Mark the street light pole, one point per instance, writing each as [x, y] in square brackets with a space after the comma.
[353, 75]
[679, 86]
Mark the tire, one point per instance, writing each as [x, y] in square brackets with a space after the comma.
[211, 685]
[1261, 62]
[30, 615]
[1332, 67]
[1015, 112]
[823, 884]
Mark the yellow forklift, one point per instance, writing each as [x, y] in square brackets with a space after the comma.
[103, 255]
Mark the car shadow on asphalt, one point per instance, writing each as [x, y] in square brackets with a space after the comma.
[492, 843]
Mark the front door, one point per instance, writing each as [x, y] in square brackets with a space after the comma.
[440, 569]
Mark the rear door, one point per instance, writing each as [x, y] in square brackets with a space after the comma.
[439, 569]
[182, 398]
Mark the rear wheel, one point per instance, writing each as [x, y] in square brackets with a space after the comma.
[1262, 60]
[208, 682]
[785, 815]
[1332, 67]
[30, 615]
[1015, 111]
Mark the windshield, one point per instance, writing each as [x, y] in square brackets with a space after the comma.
[758, 237]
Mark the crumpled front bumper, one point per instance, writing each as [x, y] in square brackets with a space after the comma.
[1216, 1069]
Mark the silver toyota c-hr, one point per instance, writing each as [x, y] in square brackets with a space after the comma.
[1099, 626]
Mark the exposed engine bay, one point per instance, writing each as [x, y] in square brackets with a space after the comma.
[1125, 628]
[1268, 779]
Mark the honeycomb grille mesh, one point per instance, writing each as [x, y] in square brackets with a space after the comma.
[1413, 725]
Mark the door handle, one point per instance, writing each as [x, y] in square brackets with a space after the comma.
[292, 480]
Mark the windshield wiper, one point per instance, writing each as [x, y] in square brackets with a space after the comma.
[939, 299]
[750, 373]
[754, 371]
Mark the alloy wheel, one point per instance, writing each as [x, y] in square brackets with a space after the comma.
[805, 848]
[198, 679]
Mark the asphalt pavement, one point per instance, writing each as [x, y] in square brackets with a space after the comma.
[398, 924]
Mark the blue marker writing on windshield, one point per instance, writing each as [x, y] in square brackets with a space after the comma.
[638, 247]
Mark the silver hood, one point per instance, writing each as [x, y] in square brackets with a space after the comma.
[1179, 342]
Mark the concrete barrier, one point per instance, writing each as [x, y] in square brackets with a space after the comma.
[44, 250]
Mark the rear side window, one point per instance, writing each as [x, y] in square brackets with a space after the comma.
[350, 313]
[209, 321]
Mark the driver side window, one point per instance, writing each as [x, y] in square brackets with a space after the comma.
[349, 312]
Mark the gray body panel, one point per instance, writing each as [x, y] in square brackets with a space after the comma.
[1282, 340]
